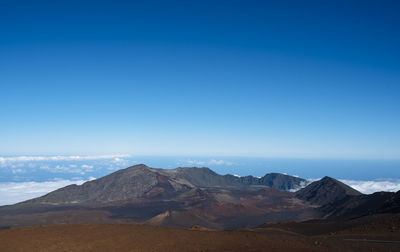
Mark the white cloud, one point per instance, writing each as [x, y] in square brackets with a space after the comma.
[4, 160]
[14, 192]
[15, 171]
[87, 167]
[219, 162]
[119, 160]
[303, 184]
[367, 187]
[204, 163]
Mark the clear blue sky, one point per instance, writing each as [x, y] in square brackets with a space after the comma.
[235, 78]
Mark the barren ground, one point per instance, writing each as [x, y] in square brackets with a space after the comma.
[132, 237]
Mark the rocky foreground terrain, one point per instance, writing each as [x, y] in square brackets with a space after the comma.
[381, 234]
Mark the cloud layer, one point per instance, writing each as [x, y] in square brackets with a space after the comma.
[367, 187]
[210, 162]
[19, 168]
[58, 158]
[14, 192]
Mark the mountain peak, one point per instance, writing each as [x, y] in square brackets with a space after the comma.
[138, 166]
[326, 191]
[327, 178]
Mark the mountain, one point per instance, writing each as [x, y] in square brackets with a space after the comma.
[326, 191]
[205, 177]
[186, 197]
[391, 205]
[362, 205]
[169, 197]
[334, 199]
[197, 177]
[274, 180]
[139, 181]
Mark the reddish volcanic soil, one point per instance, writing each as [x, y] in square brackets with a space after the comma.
[132, 237]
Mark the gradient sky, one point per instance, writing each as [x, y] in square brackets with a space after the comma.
[237, 78]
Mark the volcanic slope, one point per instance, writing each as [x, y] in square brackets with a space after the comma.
[141, 181]
[325, 191]
[186, 197]
[334, 199]
[142, 194]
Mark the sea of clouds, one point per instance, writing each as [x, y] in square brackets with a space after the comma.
[368, 187]
[14, 192]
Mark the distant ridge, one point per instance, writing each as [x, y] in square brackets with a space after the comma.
[205, 177]
[274, 180]
[143, 182]
[187, 197]
[197, 177]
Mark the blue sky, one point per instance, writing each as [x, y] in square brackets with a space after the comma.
[303, 79]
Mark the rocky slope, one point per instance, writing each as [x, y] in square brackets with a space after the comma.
[335, 199]
[177, 197]
[186, 197]
[274, 180]
[143, 182]
[139, 181]
[326, 191]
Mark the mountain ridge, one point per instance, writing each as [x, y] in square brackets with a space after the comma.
[142, 181]
[191, 196]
